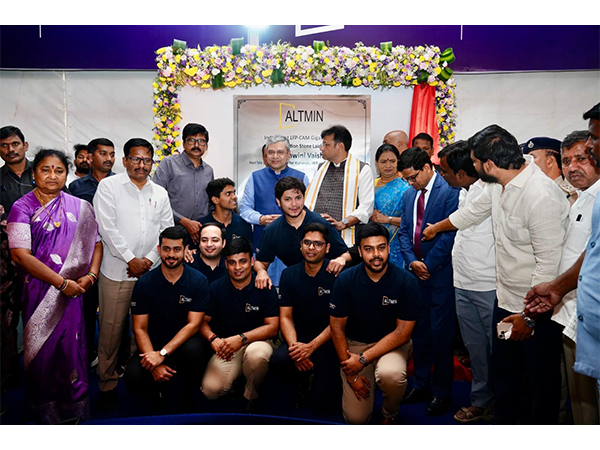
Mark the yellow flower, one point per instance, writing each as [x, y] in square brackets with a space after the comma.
[192, 83]
[257, 80]
[154, 85]
[259, 54]
[178, 58]
[175, 133]
[163, 119]
[176, 106]
[191, 71]
[356, 82]
[161, 50]
[408, 77]
[205, 76]
[267, 73]
[290, 63]
[396, 83]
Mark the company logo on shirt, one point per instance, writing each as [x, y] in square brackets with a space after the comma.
[388, 301]
[331, 306]
[250, 308]
[183, 299]
[133, 304]
[323, 291]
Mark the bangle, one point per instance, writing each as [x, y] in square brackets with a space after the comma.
[91, 278]
[93, 275]
[64, 284]
[212, 338]
[353, 381]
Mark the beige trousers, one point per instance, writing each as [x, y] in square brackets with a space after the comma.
[389, 371]
[252, 360]
[114, 300]
[583, 389]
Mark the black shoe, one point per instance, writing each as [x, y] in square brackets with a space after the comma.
[253, 406]
[416, 396]
[438, 406]
[107, 400]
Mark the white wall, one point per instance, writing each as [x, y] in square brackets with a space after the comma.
[59, 109]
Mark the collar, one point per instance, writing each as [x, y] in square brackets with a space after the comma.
[429, 186]
[284, 170]
[341, 164]
[126, 180]
[530, 169]
[90, 176]
[188, 162]
[592, 190]
[364, 277]
[28, 166]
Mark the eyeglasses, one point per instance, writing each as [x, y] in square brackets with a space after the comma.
[579, 159]
[413, 178]
[317, 244]
[192, 141]
[136, 160]
[276, 152]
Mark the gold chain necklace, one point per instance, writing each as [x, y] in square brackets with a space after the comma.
[56, 224]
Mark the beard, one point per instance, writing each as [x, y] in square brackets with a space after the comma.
[485, 177]
[377, 269]
[173, 263]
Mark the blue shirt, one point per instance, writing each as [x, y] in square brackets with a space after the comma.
[309, 297]
[168, 304]
[282, 240]
[373, 307]
[234, 311]
[588, 303]
[85, 187]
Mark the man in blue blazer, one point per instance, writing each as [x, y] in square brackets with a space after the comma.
[430, 199]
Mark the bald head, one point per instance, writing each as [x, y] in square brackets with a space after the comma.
[398, 139]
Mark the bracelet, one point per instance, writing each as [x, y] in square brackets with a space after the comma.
[91, 278]
[93, 275]
[353, 381]
[212, 338]
[63, 285]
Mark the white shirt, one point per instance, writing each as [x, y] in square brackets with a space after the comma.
[529, 218]
[366, 194]
[428, 188]
[578, 234]
[129, 222]
[473, 253]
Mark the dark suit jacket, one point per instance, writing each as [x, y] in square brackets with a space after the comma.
[437, 253]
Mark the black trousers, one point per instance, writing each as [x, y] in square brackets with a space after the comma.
[188, 360]
[529, 368]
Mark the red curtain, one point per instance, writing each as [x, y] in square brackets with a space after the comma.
[422, 116]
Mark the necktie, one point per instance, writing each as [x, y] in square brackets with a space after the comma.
[420, 213]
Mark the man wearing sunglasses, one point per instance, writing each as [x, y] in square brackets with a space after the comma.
[185, 177]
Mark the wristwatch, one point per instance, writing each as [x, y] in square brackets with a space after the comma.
[346, 223]
[363, 359]
[528, 320]
[244, 339]
[390, 219]
[163, 353]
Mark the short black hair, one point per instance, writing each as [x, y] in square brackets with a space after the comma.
[174, 233]
[593, 113]
[238, 245]
[137, 142]
[287, 183]
[496, 144]
[45, 153]
[340, 134]
[9, 130]
[423, 137]
[372, 229]
[316, 227]
[192, 129]
[79, 148]
[414, 157]
[215, 224]
[458, 157]
[94, 143]
[216, 186]
[386, 148]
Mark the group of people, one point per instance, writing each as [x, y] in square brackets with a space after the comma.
[353, 273]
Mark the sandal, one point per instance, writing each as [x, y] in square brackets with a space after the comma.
[473, 414]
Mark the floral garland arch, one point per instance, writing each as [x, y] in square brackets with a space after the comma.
[219, 67]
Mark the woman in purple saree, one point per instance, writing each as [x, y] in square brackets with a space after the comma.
[53, 237]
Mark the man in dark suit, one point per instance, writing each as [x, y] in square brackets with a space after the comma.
[429, 200]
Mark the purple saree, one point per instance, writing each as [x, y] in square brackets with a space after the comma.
[56, 375]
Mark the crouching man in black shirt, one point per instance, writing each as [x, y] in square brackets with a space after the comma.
[373, 311]
[168, 306]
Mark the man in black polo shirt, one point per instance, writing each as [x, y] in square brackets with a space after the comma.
[373, 311]
[221, 193]
[102, 153]
[281, 238]
[304, 295]
[168, 306]
[239, 324]
[208, 261]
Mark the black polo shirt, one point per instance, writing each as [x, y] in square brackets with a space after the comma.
[86, 186]
[372, 308]
[206, 270]
[234, 311]
[282, 240]
[309, 297]
[238, 227]
[13, 187]
[168, 304]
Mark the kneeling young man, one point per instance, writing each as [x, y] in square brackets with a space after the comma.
[239, 324]
[168, 305]
[373, 311]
